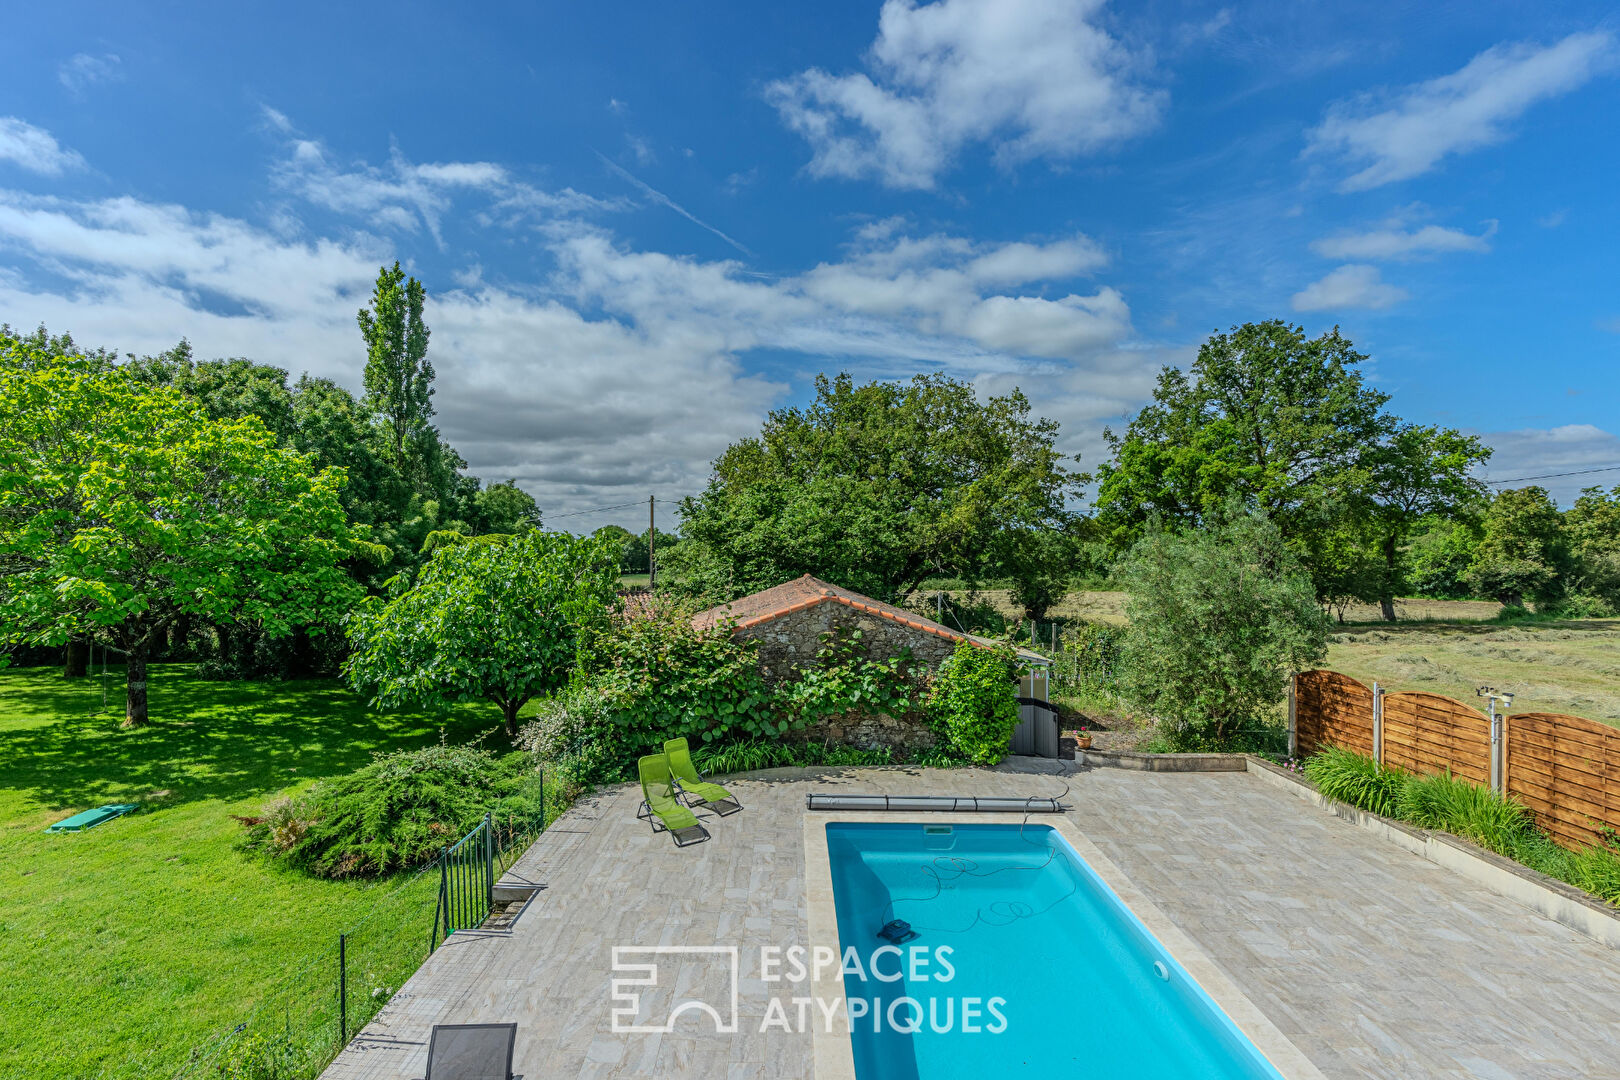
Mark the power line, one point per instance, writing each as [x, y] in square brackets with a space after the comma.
[1551, 475]
[592, 510]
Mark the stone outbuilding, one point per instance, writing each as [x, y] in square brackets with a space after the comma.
[792, 620]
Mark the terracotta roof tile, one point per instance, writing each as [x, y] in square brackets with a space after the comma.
[804, 592]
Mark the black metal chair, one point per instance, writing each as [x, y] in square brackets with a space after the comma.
[471, 1051]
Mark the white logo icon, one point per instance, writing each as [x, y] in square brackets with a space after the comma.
[645, 974]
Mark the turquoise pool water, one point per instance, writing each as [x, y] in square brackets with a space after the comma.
[1030, 925]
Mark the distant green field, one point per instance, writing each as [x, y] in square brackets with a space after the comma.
[123, 947]
[633, 580]
[1571, 667]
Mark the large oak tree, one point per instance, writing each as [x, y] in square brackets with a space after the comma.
[875, 487]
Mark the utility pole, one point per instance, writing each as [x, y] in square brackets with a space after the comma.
[652, 534]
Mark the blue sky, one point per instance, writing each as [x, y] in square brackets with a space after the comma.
[643, 226]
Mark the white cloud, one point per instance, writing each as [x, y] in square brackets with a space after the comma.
[1408, 132]
[82, 71]
[642, 149]
[1353, 286]
[1398, 243]
[638, 396]
[1032, 78]
[404, 195]
[1534, 452]
[35, 149]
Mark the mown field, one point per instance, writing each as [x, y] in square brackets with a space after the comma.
[1107, 606]
[123, 948]
[1570, 667]
[1446, 647]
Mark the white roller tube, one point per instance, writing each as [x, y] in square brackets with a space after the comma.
[967, 804]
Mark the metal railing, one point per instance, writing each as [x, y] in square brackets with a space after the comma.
[302, 1020]
[466, 883]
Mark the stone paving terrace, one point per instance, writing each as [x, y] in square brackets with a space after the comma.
[1373, 961]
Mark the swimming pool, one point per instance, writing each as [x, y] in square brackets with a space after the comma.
[1024, 963]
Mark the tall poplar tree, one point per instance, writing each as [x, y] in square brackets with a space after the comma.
[399, 378]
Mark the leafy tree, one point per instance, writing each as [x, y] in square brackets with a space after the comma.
[1593, 523]
[399, 378]
[226, 389]
[1523, 549]
[635, 547]
[1036, 563]
[1288, 425]
[875, 487]
[1440, 555]
[504, 508]
[1340, 554]
[125, 508]
[1420, 472]
[1219, 618]
[500, 620]
[1281, 421]
[1593, 529]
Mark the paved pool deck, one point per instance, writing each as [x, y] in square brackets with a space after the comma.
[1374, 962]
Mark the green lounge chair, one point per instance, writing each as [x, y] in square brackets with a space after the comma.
[660, 807]
[693, 786]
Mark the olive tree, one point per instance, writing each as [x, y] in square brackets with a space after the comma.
[1219, 618]
[491, 618]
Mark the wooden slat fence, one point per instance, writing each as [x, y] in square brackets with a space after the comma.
[1428, 733]
[1566, 769]
[1335, 709]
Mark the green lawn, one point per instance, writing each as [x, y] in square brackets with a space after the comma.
[123, 948]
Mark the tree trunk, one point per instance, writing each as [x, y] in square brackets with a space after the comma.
[135, 686]
[509, 710]
[1386, 588]
[77, 663]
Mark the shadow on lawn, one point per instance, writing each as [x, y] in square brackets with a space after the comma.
[207, 740]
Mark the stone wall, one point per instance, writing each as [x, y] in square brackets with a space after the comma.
[792, 641]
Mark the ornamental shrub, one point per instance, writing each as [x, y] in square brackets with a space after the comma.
[972, 704]
[395, 813]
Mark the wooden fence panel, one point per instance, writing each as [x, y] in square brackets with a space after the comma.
[1428, 733]
[1566, 769]
[1332, 709]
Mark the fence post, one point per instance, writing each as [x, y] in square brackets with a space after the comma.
[489, 864]
[444, 892]
[343, 990]
[1293, 717]
[1378, 723]
[1496, 748]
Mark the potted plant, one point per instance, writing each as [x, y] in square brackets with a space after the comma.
[1082, 739]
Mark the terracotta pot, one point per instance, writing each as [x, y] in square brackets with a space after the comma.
[1083, 741]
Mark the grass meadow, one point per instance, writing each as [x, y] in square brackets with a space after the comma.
[123, 949]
